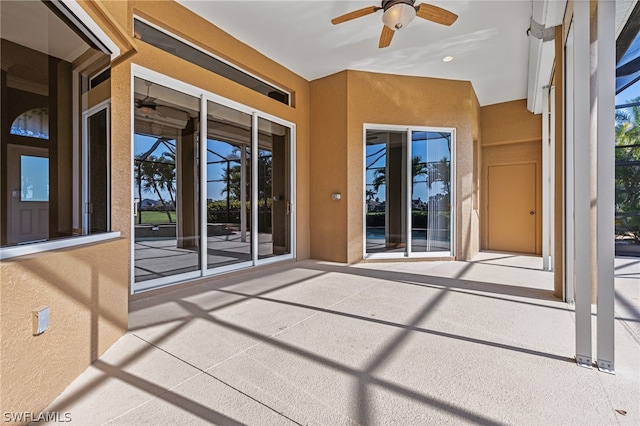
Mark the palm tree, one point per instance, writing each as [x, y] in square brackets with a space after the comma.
[156, 174]
[418, 168]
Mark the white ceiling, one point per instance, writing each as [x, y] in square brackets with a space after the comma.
[488, 41]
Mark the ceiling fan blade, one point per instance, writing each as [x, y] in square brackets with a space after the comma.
[355, 14]
[435, 14]
[386, 36]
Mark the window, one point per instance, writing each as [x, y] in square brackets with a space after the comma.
[408, 192]
[33, 123]
[161, 40]
[627, 151]
[54, 182]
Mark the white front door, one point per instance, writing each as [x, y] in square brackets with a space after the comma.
[28, 194]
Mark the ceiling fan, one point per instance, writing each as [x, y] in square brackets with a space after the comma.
[148, 106]
[397, 14]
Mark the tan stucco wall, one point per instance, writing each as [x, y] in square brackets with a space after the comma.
[86, 289]
[328, 168]
[510, 122]
[361, 97]
[511, 135]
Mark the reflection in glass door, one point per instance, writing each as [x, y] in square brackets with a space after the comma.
[431, 191]
[385, 193]
[273, 189]
[166, 222]
[228, 186]
[408, 192]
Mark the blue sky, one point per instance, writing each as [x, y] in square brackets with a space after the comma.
[628, 94]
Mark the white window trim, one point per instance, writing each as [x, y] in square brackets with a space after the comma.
[87, 20]
[35, 248]
[408, 254]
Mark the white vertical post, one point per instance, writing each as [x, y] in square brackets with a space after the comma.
[552, 176]
[606, 175]
[545, 179]
[254, 188]
[204, 221]
[582, 205]
[569, 174]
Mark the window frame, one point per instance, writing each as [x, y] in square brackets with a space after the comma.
[76, 13]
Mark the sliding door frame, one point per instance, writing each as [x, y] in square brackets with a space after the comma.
[408, 252]
[205, 96]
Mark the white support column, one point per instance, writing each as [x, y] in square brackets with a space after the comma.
[254, 189]
[582, 205]
[545, 179]
[552, 176]
[204, 226]
[606, 176]
[569, 174]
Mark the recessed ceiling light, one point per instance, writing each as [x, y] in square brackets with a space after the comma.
[447, 59]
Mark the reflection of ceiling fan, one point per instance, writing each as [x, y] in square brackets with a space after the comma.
[398, 14]
[148, 106]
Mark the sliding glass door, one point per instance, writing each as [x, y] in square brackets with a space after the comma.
[166, 221]
[386, 191]
[408, 182]
[430, 192]
[228, 186]
[202, 208]
[274, 189]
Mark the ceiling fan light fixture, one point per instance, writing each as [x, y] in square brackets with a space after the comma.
[398, 16]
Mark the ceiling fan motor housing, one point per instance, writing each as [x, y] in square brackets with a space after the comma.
[398, 13]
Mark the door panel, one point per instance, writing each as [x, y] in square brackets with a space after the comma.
[28, 195]
[166, 183]
[512, 208]
[97, 166]
[386, 191]
[274, 189]
[228, 186]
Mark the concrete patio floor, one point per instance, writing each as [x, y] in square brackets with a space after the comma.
[410, 343]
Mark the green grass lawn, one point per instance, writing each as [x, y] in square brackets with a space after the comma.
[156, 217]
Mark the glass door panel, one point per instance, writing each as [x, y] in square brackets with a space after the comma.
[97, 169]
[167, 221]
[385, 192]
[228, 186]
[431, 191]
[274, 189]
